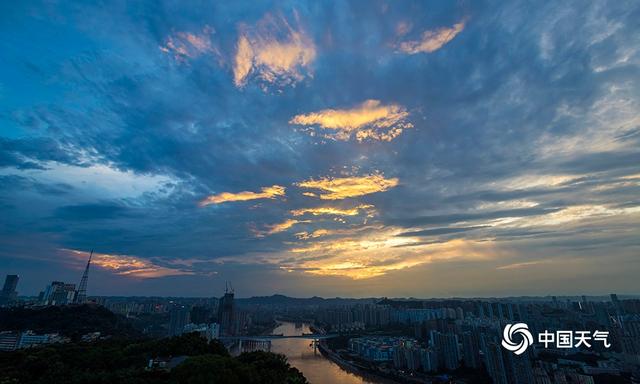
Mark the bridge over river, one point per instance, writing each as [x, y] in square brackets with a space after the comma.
[308, 336]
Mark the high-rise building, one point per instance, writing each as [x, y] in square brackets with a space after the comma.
[503, 366]
[226, 313]
[510, 313]
[471, 349]
[541, 376]
[518, 368]
[481, 313]
[489, 310]
[9, 294]
[58, 293]
[446, 344]
[200, 314]
[213, 331]
[178, 318]
[429, 359]
[493, 361]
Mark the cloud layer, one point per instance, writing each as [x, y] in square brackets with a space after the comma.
[352, 148]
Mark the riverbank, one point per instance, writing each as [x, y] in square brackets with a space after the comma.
[352, 368]
[317, 367]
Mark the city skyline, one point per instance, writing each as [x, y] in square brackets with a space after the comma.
[355, 149]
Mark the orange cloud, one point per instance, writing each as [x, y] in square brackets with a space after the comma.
[126, 265]
[266, 193]
[345, 187]
[279, 227]
[369, 120]
[376, 253]
[243, 61]
[274, 51]
[186, 45]
[432, 40]
[312, 235]
[335, 211]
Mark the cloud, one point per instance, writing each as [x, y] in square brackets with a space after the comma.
[369, 120]
[454, 218]
[186, 45]
[273, 51]
[588, 213]
[99, 181]
[531, 181]
[432, 40]
[315, 234]
[335, 211]
[524, 264]
[125, 265]
[344, 187]
[403, 27]
[266, 193]
[378, 252]
[441, 231]
[82, 212]
[279, 227]
[243, 61]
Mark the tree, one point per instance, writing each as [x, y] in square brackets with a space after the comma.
[208, 369]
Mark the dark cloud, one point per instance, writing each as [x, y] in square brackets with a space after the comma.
[31, 153]
[91, 212]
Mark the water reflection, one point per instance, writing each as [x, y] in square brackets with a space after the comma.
[315, 367]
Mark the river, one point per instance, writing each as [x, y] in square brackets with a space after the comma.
[315, 367]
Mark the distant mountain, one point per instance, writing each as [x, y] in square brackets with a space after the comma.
[70, 320]
[295, 301]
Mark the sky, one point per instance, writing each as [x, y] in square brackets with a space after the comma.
[348, 148]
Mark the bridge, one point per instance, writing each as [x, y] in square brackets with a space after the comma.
[308, 336]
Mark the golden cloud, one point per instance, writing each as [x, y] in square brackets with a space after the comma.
[335, 211]
[432, 40]
[243, 61]
[266, 193]
[369, 120]
[186, 45]
[279, 227]
[312, 235]
[274, 51]
[345, 187]
[376, 253]
[126, 265]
